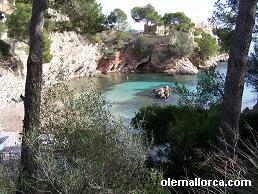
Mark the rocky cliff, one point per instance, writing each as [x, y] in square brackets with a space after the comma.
[75, 56]
[127, 60]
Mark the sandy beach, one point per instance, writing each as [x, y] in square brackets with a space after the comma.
[11, 116]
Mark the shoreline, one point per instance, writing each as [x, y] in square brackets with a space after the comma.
[11, 122]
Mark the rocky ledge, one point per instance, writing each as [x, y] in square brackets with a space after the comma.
[128, 60]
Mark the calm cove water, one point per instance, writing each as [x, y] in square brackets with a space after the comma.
[129, 92]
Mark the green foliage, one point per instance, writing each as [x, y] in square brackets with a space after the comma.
[97, 38]
[125, 36]
[7, 180]
[252, 69]
[182, 45]
[2, 28]
[142, 47]
[198, 31]
[117, 19]
[22, 1]
[153, 185]
[185, 128]
[81, 149]
[178, 21]
[47, 56]
[225, 36]
[4, 48]
[85, 15]
[209, 91]
[122, 39]
[146, 14]
[208, 46]
[224, 18]
[18, 22]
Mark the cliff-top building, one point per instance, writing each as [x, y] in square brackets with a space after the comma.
[156, 29]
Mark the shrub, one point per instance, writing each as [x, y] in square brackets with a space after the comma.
[122, 35]
[184, 128]
[2, 28]
[208, 46]
[181, 46]
[96, 38]
[239, 165]
[81, 149]
[47, 56]
[142, 47]
[4, 48]
[153, 184]
[7, 179]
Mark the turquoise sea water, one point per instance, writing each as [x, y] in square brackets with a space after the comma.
[129, 92]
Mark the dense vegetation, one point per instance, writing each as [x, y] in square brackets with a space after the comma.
[4, 48]
[208, 46]
[182, 45]
[85, 16]
[142, 47]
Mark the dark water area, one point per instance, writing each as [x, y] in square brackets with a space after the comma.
[129, 92]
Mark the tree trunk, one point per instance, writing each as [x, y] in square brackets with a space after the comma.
[32, 100]
[234, 84]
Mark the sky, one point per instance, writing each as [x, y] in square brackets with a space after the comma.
[197, 10]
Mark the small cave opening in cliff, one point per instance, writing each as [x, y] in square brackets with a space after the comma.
[142, 67]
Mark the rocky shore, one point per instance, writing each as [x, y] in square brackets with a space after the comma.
[75, 56]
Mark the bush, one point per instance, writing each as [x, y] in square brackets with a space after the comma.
[142, 47]
[198, 31]
[208, 46]
[184, 128]
[7, 179]
[122, 35]
[81, 149]
[47, 56]
[4, 48]
[153, 184]
[181, 46]
[2, 28]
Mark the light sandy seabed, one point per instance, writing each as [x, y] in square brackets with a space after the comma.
[11, 116]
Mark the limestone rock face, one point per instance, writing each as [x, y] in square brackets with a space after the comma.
[73, 56]
[213, 61]
[182, 66]
[125, 60]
